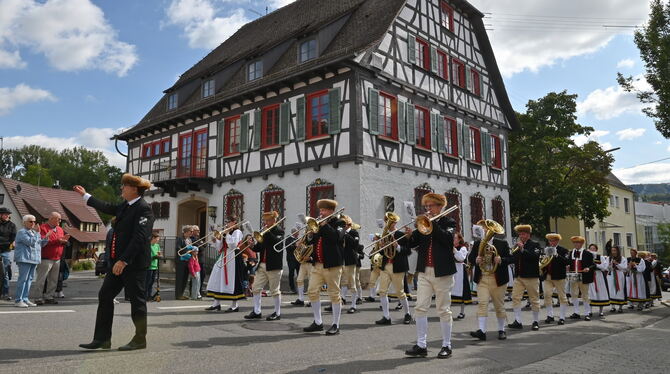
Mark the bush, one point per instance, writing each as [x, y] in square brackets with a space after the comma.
[83, 265]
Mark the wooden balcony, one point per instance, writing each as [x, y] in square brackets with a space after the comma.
[182, 175]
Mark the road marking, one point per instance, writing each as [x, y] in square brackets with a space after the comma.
[39, 311]
[181, 307]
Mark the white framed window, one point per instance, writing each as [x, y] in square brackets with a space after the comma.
[308, 51]
[208, 88]
[616, 201]
[629, 240]
[626, 205]
[172, 101]
[255, 70]
[617, 239]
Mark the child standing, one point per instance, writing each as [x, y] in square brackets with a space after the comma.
[194, 275]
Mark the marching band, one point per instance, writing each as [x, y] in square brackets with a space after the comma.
[448, 270]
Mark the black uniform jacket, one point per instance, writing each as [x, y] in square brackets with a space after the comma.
[587, 262]
[273, 260]
[351, 248]
[558, 265]
[502, 273]
[527, 260]
[442, 240]
[400, 262]
[333, 242]
[133, 229]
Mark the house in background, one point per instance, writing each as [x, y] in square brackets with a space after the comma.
[82, 222]
[619, 226]
[370, 102]
[648, 217]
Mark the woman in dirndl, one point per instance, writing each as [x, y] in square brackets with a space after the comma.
[460, 294]
[225, 280]
[636, 287]
[598, 292]
[616, 279]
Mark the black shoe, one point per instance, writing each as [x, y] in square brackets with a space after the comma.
[313, 327]
[601, 315]
[587, 318]
[561, 321]
[351, 310]
[502, 335]
[308, 304]
[408, 319]
[460, 316]
[479, 334]
[333, 330]
[273, 317]
[575, 316]
[328, 308]
[210, 308]
[398, 307]
[359, 301]
[515, 325]
[383, 321]
[549, 320]
[536, 326]
[253, 315]
[409, 297]
[232, 310]
[50, 301]
[344, 302]
[370, 299]
[613, 310]
[631, 307]
[96, 344]
[132, 346]
[298, 302]
[417, 351]
[620, 311]
[445, 352]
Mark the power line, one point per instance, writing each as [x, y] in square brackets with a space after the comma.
[646, 163]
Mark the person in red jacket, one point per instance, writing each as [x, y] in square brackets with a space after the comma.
[49, 268]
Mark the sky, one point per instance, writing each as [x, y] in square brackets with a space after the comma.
[74, 72]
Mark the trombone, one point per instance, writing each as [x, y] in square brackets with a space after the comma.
[257, 236]
[425, 225]
[217, 234]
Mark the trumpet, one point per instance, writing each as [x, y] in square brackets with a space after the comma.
[217, 234]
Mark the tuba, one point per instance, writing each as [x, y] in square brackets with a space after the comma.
[488, 252]
[546, 257]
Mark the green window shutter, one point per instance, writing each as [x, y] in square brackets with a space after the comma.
[335, 124]
[244, 133]
[411, 129]
[433, 130]
[300, 119]
[433, 59]
[486, 147]
[441, 123]
[220, 137]
[373, 108]
[411, 49]
[402, 121]
[258, 128]
[466, 142]
[284, 123]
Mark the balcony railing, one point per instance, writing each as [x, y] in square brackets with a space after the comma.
[186, 167]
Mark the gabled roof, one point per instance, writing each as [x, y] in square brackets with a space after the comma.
[616, 182]
[41, 201]
[369, 20]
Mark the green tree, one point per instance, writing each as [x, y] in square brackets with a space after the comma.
[664, 237]
[38, 176]
[550, 176]
[653, 41]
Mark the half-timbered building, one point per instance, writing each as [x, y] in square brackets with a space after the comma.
[370, 102]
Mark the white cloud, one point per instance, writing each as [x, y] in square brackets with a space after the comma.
[626, 63]
[658, 142]
[71, 34]
[531, 34]
[280, 3]
[11, 97]
[650, 173]
[668, 148]
[612, 101]
[96, 139]
[630, 134]
[205, 25]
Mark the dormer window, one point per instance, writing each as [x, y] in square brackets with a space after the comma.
[307, 50]
[172, 101]
[208, 88]
[255, 70]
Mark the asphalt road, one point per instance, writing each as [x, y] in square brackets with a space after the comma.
[184, 338]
